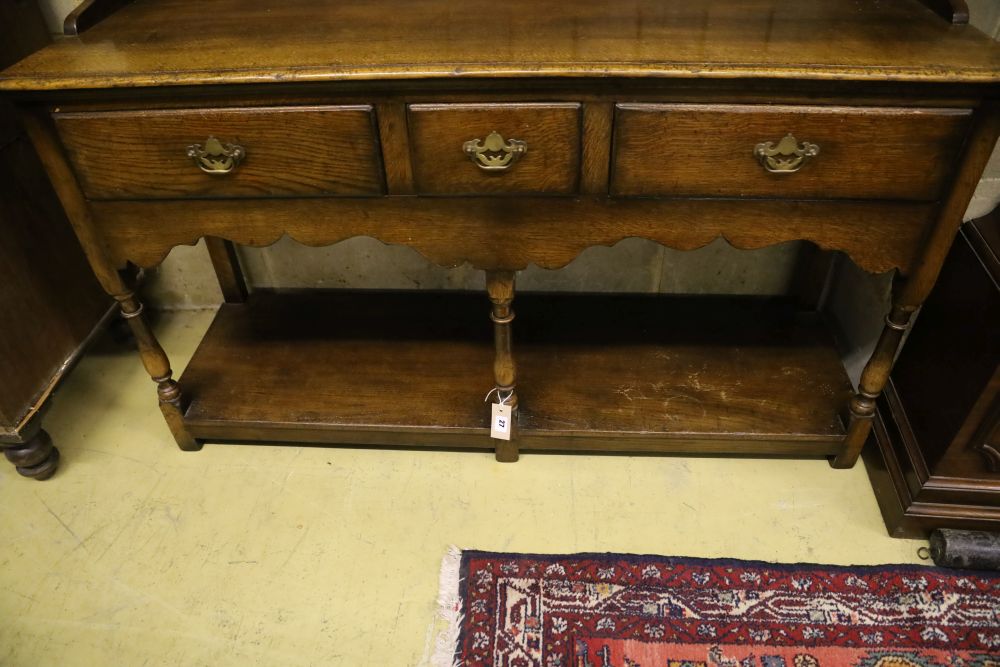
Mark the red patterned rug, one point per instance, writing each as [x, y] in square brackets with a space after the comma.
[613, 610]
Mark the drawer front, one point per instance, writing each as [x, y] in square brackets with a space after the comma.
[265, 152]
[495, 148]
[805, 152]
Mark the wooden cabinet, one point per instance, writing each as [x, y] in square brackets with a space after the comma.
[49, 300]
[934, 458]
[503, 137]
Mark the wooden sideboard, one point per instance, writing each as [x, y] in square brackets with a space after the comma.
[511, 134]
[934, 459]
[49, 300]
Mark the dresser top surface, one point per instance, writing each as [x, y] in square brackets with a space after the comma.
[199, 42]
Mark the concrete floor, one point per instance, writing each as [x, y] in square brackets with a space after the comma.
[136, 553]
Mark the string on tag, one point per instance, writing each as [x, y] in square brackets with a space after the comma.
[502, 399]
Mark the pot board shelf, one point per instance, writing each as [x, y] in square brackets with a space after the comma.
[595, 373]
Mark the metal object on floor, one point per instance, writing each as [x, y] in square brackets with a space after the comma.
[965, 549]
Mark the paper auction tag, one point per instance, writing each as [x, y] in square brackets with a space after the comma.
[500, 425]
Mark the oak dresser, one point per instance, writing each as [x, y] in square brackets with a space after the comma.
[504, 134]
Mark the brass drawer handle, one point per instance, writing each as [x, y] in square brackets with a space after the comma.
[787, 157]
[494, 154]
[216, 157]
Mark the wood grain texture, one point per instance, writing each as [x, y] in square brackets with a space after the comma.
[49, 300]
[914, 291]
[74, 203]
[50, 303]
[708, 150]
[394, 139]
[154, 359]
[369, 362]
[184, 42]
[701, 368]
[549, 232]
[598, 119]
[874, 376]
[641, 379]
[977, 152]
[421, 79]
[329, 150]
[77, 208]
[550, 166]
[500, 288]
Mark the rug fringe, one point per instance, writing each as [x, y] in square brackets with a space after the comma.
[449, 610]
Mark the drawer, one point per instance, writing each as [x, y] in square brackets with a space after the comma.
[285, 151]
[495, 148]
[805, 152]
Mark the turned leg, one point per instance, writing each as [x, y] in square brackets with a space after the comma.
[36, 457]
[861, 410]
[172, 403]
[979, 147]
[500, 286]
[45, 139]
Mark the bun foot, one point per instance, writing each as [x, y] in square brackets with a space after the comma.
[38, 458]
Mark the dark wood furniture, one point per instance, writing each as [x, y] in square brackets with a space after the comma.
[49, 300]
[934, 458]
[503, 135]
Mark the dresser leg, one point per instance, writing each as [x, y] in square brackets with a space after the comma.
[172, 403]
[36, 457]
[861, 409]
[77, 208]
[500, 286]
[912, 294]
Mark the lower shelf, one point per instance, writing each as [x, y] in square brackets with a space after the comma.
[595, 373]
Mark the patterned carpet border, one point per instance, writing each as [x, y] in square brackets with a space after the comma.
[643, 610]
[735, 562]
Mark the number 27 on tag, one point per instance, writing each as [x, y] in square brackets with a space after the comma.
[500, 424]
